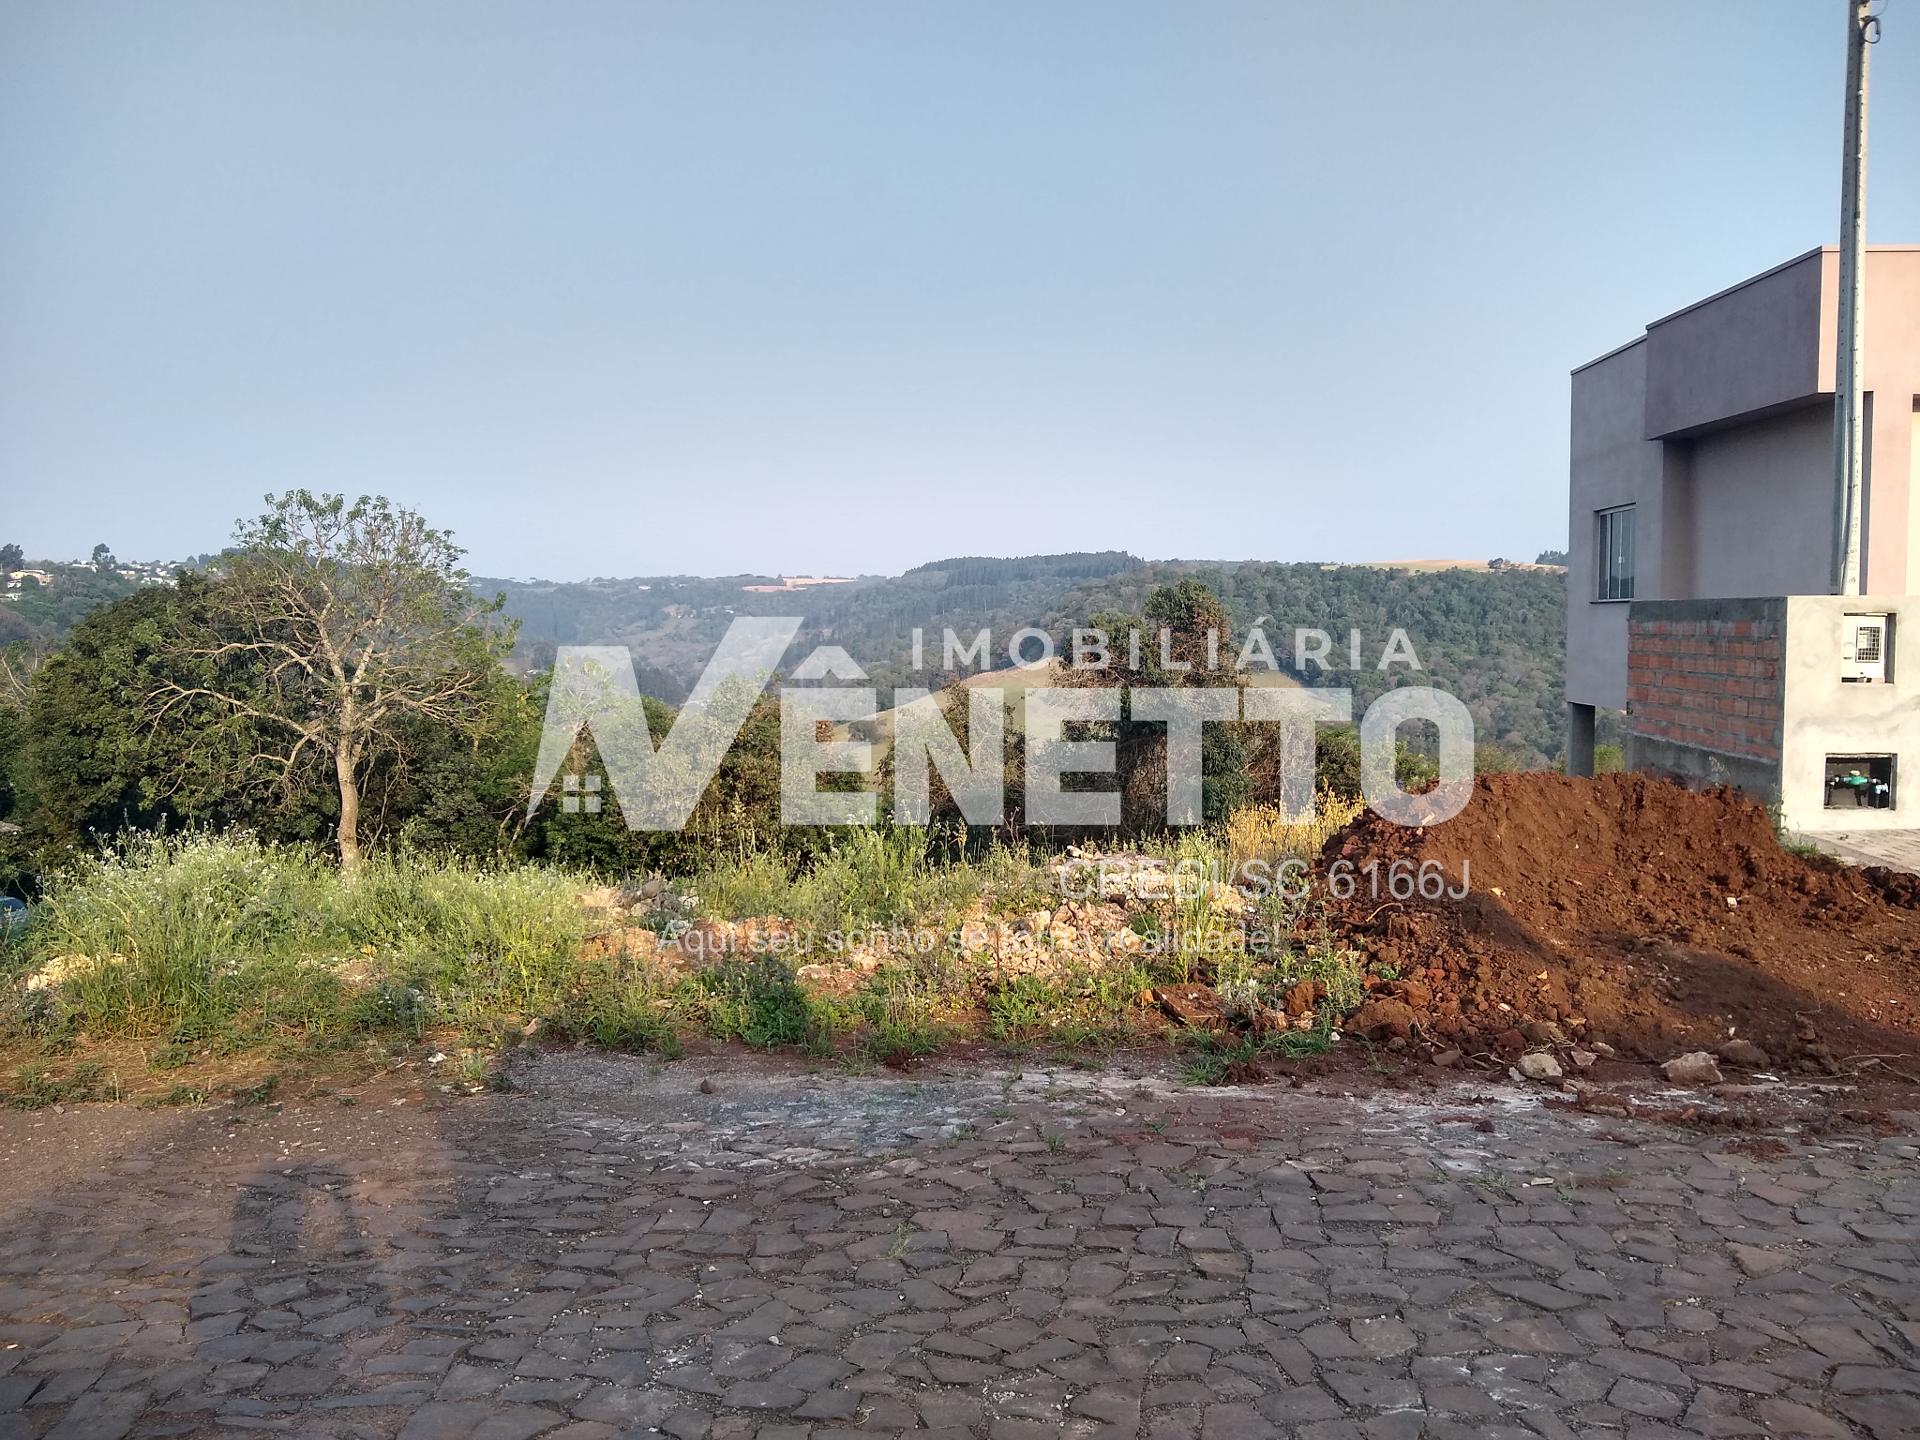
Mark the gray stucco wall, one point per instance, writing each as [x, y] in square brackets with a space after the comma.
[1611, 463]
[1750, 348]
[1761, 507]
[1695, 767]
[1893, 379]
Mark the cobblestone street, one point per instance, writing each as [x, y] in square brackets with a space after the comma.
[614, 1250]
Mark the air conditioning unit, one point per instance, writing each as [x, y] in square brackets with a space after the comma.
[1864, 641]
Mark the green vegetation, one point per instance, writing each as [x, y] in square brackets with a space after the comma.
[1217, 1059]
[332, 633]
[208, 945]
[41, 614]
[1495, 638]
[185, 938]
[277, 809]
[36, 1086]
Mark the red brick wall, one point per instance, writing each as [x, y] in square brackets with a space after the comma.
[1710, 682]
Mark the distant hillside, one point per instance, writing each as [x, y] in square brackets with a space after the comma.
[673, 622]
[1493, 637]
[39, 611]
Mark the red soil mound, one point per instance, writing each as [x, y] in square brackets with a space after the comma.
[1633, 911]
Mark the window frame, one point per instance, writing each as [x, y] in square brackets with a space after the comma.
[1875, 765]
[1608, 586]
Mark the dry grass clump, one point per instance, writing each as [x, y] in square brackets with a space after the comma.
[1262, 832]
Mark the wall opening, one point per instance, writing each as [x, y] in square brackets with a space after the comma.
[1866, 649]
[1860, 782]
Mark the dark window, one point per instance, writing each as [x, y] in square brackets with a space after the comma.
[1615, 553]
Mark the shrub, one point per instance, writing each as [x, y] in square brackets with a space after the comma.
[759, 1001]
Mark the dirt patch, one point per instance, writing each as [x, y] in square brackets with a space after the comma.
[1633, 912]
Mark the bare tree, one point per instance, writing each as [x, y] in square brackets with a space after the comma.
[17, 664]
[334, 624]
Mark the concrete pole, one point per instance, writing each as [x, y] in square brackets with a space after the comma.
[1848, 431]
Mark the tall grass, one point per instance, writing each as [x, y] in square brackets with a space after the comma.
[193, 933]
[757, 883]
[478, 940]
[871, 877]
[223, 938]
[166, 932]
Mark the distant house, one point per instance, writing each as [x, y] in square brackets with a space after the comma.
[797, 582]
[148, 572]
[1703, 524]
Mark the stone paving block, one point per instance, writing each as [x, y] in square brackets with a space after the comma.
[917, 1257]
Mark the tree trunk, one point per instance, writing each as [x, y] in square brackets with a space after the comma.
[343, 767]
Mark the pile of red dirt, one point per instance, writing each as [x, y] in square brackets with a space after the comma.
[1633, 912]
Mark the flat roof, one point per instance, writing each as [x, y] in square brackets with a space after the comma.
[1640, 339]
[1740, 285]
[1799, 259]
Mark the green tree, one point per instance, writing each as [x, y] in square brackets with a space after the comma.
[340, 630]
[90, 760]
[1184, 641]
[12, 557]
[18, 663]
[102, 558]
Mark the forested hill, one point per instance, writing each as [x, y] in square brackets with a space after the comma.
[39, 615]
[1493, 637]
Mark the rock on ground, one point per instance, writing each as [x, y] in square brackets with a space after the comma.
[1695, 1068]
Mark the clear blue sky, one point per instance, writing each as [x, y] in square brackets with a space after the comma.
[631, 287]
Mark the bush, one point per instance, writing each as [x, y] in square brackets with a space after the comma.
[760, 1002]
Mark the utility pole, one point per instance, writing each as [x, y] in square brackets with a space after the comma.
[1863, 29]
